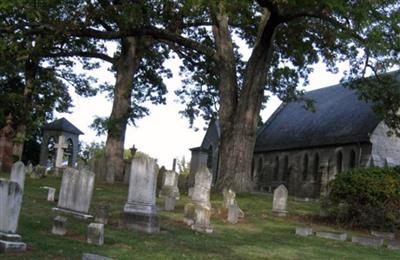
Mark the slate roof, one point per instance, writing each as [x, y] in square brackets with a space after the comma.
[340, 118]
[64, 125]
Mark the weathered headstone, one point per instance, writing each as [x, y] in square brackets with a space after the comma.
[229, 197]
[18, 174]
[170, 190]
[169, 203]
[101, 215]
[10, 206]
[279, 204]
[95, 234]
[233, 213]
[59, 226]
[394, 244]
[29, 170]
[367, 241]
[384, 235]
[51, 192]
[140, 212]
[201, 201]
[304, 231]
[332, 235]
[88, 256]
[76, 192]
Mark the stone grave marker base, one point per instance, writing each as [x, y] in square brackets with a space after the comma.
[367, 241]
[304, 231]
[332, 235]
[148, 223]
[75, 214]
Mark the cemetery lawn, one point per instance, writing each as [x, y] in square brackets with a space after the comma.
[258, 236]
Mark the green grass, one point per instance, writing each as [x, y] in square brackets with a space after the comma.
[258, 236]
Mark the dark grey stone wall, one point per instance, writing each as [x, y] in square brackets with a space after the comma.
[306, 172]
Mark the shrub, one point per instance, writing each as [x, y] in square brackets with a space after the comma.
[366, 198]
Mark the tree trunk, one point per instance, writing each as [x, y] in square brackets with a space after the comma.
[237, 145]
[126, 67]
[31, 67]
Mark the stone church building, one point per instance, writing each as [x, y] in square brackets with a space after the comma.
[304, 150]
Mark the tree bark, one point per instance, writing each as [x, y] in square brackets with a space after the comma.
[126, 67]
[238, 131]
[31, 67]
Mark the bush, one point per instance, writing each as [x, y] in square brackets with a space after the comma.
[365, 198]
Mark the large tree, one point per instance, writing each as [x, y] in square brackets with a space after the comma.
[34, 77]
[285, 38]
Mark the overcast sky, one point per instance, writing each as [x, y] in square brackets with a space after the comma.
[164, 134]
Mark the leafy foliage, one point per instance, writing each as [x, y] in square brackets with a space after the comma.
[366, 197]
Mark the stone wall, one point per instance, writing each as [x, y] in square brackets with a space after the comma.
[306, 172]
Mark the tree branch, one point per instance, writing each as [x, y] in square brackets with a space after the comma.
[82, 54]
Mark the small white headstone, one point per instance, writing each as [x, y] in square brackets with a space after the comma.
[279, 204]
[18, 173]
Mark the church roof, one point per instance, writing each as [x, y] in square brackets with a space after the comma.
[340, 118]
[64, 125]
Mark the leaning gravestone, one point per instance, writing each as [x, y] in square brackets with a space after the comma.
[10, 205]
[140, 212]
[170, 190]
[200, 209]
[76, 192]
[74, 198]
[230, 203]
[279, 204]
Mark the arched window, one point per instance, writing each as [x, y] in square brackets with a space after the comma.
[210, 157]
[305, 167]
[316, 167]
[51, 151]
[285, 168]
[276, 168]
[339, 162]
[352, 159]
[68, 152]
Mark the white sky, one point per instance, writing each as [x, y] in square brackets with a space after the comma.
[164, 134]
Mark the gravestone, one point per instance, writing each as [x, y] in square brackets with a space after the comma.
[384, 235]
[170, 190]
[201, 201]
[233, 213]
[18, 173]
[332, 235]
[101, 215]
[367, 241]
[76, 192]
[304, 231]
[59, 226]
[394, 244]
[51, 194]
[29, 170]
[140, 212]
[88, 256]
[10, 206]
[229, 197]
[95, 234]
[279, 204]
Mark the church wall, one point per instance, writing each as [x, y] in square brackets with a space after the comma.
[385, 149]
[306, 172]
